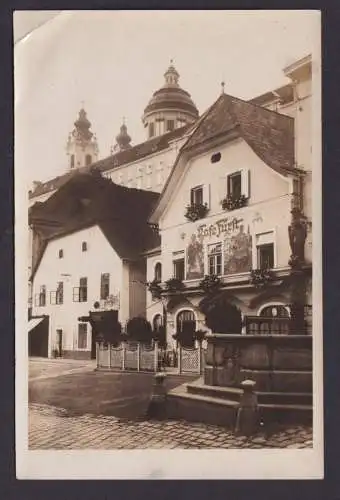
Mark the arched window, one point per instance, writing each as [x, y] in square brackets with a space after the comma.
[157, 322]
[158, 272]
[275, 311]
[186, 327]
[88, 160]
[275, 320]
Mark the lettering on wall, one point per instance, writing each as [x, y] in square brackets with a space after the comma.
[226, 225]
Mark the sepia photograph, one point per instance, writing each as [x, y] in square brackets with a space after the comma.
[168, 244]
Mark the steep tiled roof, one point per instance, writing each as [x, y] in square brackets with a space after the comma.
[135, 153]
[269, 134]
[89, 199]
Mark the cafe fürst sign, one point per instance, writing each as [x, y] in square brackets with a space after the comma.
[225, 226]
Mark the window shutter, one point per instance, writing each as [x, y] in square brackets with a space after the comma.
[206, 194]
[245, 182]
[222, 187]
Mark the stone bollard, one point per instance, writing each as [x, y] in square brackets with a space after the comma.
[157, 404]
[247, 421]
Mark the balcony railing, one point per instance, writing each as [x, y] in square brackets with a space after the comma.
[258, 325]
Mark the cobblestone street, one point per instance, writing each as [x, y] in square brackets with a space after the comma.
[52, 428]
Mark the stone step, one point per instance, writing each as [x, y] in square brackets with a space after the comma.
[234, 394]
[200, 407]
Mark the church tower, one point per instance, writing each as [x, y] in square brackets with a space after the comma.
[123, 140]
[82, 146]
[170, 107]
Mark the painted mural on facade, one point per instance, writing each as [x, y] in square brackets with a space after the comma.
[195, 258]
[238, 251]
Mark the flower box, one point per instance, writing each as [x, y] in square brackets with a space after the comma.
[231, 203]
[260, 277]
[196, 211]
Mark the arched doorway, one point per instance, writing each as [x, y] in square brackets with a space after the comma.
[278, 319]
[221, 316]
[186, 327]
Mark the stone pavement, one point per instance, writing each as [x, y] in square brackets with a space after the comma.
[53, 428]
[40, 368]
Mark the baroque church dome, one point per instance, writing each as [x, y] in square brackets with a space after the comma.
[169, 104]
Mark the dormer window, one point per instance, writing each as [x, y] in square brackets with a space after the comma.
[84, 246]
[61, 253]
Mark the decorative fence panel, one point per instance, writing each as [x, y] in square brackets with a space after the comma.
[117, 357]
[140, 357]
[131, 356]
[102, 356]
[190, 360]
[147, 358]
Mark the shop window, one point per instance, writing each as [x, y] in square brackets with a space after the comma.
[82, 336]
[178, 268]
[215, 259]
[104, 286]
[196, 195]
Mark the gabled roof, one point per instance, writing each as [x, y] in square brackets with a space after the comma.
[135, 153]
[268, 133]
[89, 199]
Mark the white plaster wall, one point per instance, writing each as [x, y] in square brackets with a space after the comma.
[269, 201]
[153, 307]
[99, 258]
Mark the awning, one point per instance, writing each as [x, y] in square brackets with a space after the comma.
[33, 322]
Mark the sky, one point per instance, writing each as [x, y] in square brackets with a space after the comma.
[112, 61]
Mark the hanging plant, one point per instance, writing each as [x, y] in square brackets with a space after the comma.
[232, 203]
[210, 283]
[260, 277]
[196, 211]
[174, 285]
[200, 335]
[155, 289]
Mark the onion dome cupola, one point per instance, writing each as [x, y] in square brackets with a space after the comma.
[170, 107]
[123, 140]
[82, 145]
